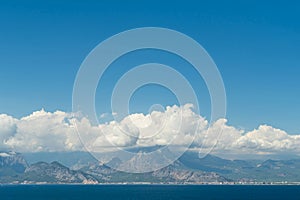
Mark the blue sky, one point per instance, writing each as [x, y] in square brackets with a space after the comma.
[255, 45]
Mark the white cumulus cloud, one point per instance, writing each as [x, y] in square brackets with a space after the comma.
[177, 125]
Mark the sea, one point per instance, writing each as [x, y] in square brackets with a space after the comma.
[151, 192]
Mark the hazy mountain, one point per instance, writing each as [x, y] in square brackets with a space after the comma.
[187, 169]
[175, 173]
[69, 159]
[246, 170]
[54, 172]
[13, 160]
[11, 164]
[212, 163]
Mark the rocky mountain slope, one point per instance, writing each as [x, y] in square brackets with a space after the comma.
[189, 169]
[55, 172]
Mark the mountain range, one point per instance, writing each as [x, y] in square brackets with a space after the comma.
[188, 169]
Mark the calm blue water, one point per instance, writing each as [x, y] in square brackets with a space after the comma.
[150, 192]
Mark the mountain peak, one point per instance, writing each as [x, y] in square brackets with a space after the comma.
[12, 160]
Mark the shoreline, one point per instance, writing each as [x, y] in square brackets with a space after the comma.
[151, 184]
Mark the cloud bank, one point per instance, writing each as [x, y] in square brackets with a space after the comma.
[53, 132]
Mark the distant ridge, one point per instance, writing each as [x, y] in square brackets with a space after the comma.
[188, 169]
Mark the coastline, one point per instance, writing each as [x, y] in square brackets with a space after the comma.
[152, 184]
